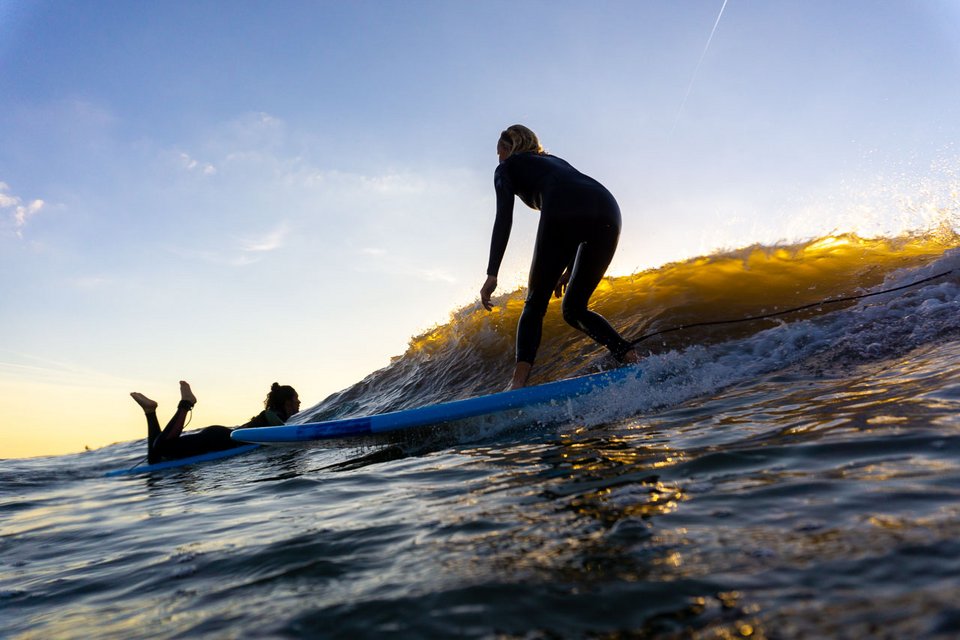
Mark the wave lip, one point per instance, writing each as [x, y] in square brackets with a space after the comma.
[698, 313]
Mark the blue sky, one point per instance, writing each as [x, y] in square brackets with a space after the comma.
[241, 192]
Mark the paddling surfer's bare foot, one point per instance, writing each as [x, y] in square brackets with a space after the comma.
[148, 405]
[186, 394]
[631, 357]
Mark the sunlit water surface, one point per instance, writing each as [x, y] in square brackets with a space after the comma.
[791, 478]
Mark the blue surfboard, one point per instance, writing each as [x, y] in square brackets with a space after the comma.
[182, 462]
[527, 398]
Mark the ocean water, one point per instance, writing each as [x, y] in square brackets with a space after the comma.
[791, 477]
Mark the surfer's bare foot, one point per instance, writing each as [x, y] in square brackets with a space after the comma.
[631, 357]
[520, 376]
[148, 405]
[186, 394]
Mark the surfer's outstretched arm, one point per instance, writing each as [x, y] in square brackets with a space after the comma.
[489, 286]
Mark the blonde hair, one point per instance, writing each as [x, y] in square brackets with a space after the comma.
[519, 139]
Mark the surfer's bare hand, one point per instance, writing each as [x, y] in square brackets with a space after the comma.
[486, 291]
[562, 284]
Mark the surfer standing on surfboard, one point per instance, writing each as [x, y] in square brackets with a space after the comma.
[576, 239]
[281, 403]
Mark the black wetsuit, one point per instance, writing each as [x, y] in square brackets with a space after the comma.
[579, 228]
[213, 438]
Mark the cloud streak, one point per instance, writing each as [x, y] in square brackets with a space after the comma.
[378, 260]
[245, 250]
[270, 241]
[192, 165]
[22, 368]
[20, 212]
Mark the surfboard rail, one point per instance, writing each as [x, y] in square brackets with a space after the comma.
[527, 397]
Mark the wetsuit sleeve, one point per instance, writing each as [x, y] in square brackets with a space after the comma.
[503, 222]
[264, 419]
[272, 418]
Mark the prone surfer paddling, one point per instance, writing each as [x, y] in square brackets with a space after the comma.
[282, 402]
[576, 239]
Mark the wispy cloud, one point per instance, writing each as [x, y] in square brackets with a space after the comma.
[380, 260]
[387, 184]
[27, 368]
[434, 275]
[270, 241]
[245, 250]
[19, 211]
[195, 166]
[92, 282]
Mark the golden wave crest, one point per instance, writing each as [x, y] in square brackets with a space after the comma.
[473, 352]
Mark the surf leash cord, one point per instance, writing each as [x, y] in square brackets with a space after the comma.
[813, 305]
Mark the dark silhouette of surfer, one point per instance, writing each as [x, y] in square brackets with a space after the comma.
[171, 444]
[576, 239]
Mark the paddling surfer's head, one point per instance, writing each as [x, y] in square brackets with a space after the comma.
[517, 139]
[282, 400]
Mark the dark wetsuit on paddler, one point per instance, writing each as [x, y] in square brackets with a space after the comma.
[171, 443]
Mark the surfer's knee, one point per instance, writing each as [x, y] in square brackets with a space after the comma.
[573, 312]
[536, 306]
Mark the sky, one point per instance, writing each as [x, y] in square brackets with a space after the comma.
[237, 193]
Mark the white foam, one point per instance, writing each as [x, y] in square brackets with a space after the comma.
[877, 327]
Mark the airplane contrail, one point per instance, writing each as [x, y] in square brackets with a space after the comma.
[697, 68]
